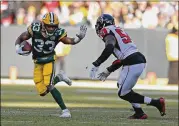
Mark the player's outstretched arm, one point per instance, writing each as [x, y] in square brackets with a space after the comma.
[110, 42]
[77, 38]
[24, 36]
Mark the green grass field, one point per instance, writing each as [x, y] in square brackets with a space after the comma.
[21, 106]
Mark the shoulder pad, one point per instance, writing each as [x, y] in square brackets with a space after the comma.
[104, 32]
[36, 26]
[60, 32]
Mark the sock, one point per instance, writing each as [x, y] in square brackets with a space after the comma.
[154, 102]
[136, 105]
[133, 97]
[147, 100]
[58, 98]
[138, 110]
[65, 110]
[56, 80]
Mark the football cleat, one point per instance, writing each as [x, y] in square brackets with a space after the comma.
[161, 106]
[65, 114]
[138, 116]
[62, 77]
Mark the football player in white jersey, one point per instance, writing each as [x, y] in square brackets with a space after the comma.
[118, 43]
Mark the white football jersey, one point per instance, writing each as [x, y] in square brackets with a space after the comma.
[124, 46]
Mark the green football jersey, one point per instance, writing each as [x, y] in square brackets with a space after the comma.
[42, 45]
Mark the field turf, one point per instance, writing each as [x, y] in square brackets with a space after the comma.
[22, 106]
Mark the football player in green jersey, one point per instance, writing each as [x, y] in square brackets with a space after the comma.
[46, 34]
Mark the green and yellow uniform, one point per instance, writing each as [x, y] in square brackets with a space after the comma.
[43, 54]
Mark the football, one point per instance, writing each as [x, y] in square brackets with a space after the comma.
[27, 46]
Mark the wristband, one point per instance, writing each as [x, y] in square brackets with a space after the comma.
[17, 46]
[76, 39]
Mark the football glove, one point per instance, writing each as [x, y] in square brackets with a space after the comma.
[81, 34]
[102, 76]
[20, 51]
[93, 71]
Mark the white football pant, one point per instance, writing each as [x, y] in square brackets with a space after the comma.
[128, 77]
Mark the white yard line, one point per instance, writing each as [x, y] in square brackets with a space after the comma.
[94, 84]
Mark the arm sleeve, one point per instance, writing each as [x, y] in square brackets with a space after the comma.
[115, 65]
[110, 44]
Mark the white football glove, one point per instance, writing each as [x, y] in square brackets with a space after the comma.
[20, 51]
[102, 76]
[81, 34]
[93, 72]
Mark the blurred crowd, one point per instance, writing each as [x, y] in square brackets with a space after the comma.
[127, 14]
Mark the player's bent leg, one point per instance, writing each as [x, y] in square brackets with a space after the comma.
[58, 98]
[49, 73]
[137, 98]
[128, 78]
[139, 114]
[62, 77]
[132, 97]
[42, 89]
[38, 80]
[49, 88]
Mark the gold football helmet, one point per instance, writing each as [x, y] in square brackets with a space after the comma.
[51, 22]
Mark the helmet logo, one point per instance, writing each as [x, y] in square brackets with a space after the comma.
[109, 21]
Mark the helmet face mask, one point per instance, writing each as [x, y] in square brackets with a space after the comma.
[99, 24]
[50, 21]
[103, 21]
[98, 28]
[50, 29]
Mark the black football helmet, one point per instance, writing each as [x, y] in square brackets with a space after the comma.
[103, 21]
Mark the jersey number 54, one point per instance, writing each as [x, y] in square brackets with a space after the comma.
[125, 37]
